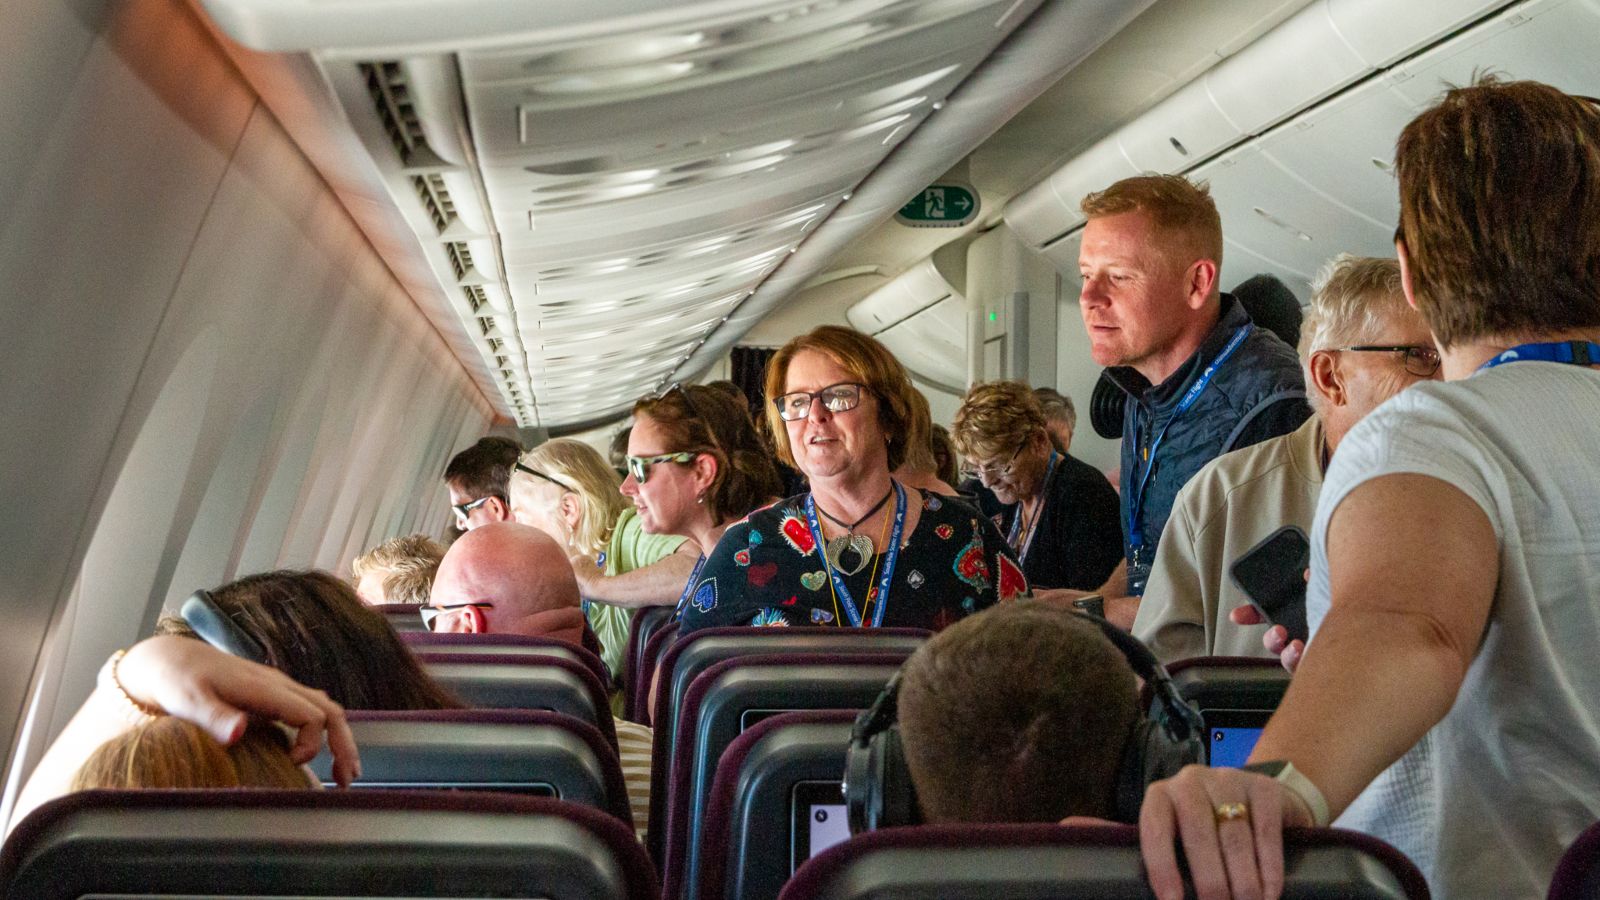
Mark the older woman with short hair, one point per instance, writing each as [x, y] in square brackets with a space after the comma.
[860, 549]
[564, 488]
[1062, 519]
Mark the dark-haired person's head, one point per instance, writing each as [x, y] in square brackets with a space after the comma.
[477, 479]
[1271, 305]
[1500, 212]
[316, 630]
[1017, 714]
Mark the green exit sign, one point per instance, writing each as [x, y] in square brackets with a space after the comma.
[940, 206]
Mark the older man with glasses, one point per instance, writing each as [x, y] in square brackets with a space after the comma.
[1360, 344]
[1061, 516]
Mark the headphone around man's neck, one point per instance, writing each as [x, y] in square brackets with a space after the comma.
[879, 793]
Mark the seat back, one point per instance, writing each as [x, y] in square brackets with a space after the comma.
[639, 687]
[646, 622]
[776, 799]
[286, 843]
[499, 681]
[402, 617]
[1578, 873]
[699, 651]
[688, 658]
[1235, 696]
[503, 750]
[503, 645]
[722, 702]
[1055, 862]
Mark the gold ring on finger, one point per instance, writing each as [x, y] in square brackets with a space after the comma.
[1229, 812]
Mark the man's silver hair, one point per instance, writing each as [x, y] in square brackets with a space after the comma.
[1352, 298]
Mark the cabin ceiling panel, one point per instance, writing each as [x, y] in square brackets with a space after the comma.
[597, 191]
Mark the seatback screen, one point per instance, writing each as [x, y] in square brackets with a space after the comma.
[818, 815]
[1231, 734]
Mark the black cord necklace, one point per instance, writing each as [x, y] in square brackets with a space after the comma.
[852, 526]
[859, 546]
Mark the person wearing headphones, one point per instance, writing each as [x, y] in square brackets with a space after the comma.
[970, 731]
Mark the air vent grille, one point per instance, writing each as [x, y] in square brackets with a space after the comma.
[391, 97]
[486, 324]
[460, 258]
[476, 298]
[435, 199]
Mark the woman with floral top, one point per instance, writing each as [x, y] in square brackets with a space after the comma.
[860, 549]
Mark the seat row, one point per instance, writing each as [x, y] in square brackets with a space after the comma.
[719, 683]
[261, 844]
[745, 790]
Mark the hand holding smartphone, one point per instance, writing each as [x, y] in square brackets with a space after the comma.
[1272, 577]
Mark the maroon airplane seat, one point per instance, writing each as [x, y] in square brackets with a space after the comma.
[721, 703]
[749, 845]
[504, 644]
[289, 843]
[1060, 862]
[511, 750]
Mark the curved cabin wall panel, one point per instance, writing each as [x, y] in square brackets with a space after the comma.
[173, 276]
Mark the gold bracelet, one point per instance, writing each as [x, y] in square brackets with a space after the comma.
[145, 710]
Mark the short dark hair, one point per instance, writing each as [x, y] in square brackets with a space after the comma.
[1017, 714]
[1500, 210]
[484, 469]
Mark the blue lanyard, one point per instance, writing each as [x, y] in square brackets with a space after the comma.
[1033, 527]
[1136, 508]
[694, 578]
[893, 554]
[1581, 353]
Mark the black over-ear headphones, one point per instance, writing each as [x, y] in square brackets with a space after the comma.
[877, 784]
[215, 628]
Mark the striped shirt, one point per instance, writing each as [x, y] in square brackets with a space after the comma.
[634, 744]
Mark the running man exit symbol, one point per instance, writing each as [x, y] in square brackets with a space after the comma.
[940, 206]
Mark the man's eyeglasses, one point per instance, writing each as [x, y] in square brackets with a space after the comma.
[988, 474]
[837, 398]
[538, 474]
[431, 614]
[1420, 360]
[639, 466]
[463, 510]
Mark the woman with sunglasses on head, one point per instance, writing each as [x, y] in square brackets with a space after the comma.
[567, 490]
[860, 549]
[695, 466]
[1061, 516]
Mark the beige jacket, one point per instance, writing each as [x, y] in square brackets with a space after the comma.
[1228, 507]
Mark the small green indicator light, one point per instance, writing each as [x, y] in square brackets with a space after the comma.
[994, 317]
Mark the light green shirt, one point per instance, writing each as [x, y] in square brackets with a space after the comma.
[630, 548]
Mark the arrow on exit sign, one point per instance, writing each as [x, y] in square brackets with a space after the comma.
[940, 206]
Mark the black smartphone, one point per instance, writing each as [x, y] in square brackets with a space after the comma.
[1272, 576]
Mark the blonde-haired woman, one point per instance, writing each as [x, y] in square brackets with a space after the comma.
[566, 489]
